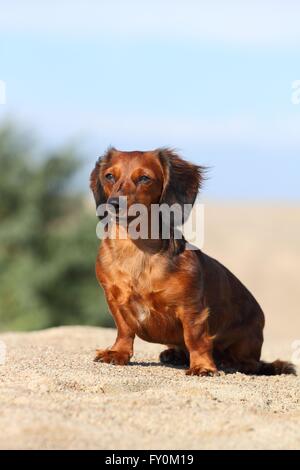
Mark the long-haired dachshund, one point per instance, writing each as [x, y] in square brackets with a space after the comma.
[165, 293]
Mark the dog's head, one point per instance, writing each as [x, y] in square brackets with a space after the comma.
[153, 177]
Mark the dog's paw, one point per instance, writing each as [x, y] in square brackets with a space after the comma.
[173, 356]
[202, 371]
[118, 358]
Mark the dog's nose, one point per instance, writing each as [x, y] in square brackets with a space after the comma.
[114, 201]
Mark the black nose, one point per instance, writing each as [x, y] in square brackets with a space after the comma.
[114, 201]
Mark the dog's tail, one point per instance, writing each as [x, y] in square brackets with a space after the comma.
[275, 368]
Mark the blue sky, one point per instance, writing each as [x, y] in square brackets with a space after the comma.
[211, 78]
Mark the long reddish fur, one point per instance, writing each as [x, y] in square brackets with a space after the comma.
[164, 293]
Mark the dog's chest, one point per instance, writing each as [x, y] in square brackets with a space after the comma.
[149, 310]
[143, 290]
[140, 289]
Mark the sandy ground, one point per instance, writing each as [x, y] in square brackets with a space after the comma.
[53, 396]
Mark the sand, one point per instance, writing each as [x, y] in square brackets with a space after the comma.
[53, 396]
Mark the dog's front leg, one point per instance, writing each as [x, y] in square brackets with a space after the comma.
[122, 350]
[199, 344]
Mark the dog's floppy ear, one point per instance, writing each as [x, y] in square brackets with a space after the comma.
[95, 181]
[182, 179]
[96, 185]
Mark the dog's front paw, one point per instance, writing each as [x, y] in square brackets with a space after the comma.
[118, 358]
[202, 371]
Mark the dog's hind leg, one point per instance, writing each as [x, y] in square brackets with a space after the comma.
[244, 357]
[175, 356]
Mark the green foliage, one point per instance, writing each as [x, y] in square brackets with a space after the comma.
[48, 241]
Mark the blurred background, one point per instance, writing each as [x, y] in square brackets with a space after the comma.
[210, 78]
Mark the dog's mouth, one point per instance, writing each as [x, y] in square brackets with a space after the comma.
[116, 214]
[120, 217]
[120, 212]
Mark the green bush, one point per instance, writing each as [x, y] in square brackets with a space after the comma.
[48, 241]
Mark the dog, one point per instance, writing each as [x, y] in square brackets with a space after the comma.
[165, 293]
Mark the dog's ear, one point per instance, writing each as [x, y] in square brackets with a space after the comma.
[182, 179]
[96, 185]
[95, 181]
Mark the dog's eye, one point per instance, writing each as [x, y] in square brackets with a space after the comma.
[110, 177]
[144, 179]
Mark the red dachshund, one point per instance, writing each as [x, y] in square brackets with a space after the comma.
[164, 293]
